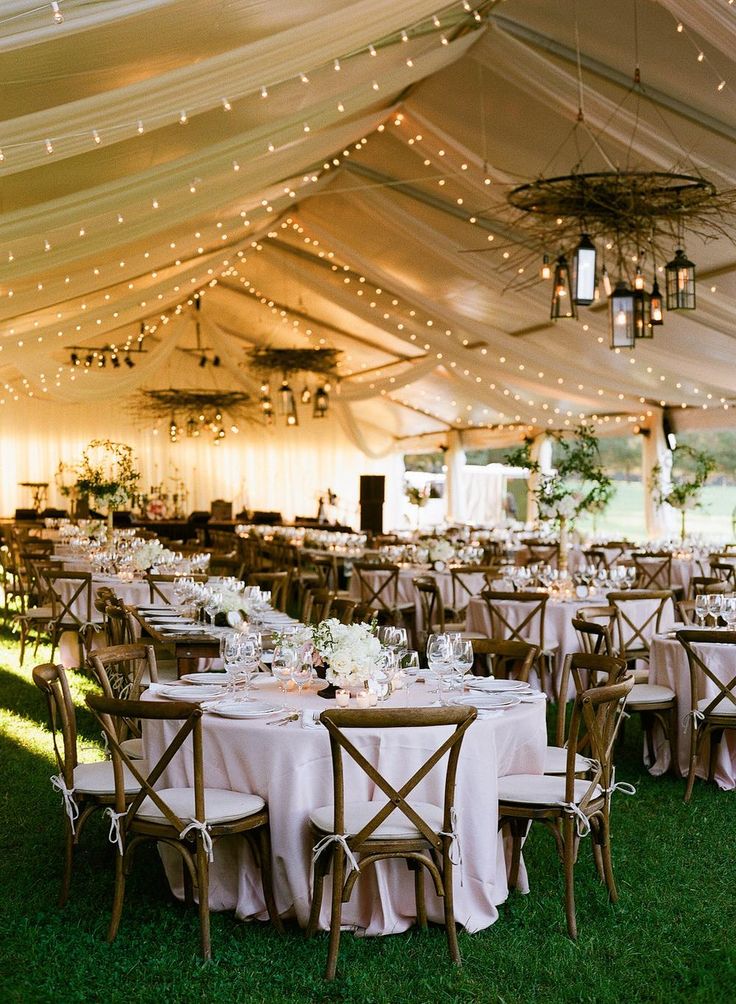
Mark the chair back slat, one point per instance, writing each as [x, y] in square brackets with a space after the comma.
[527, 626]
[379, 583]
[640, 613]
[691, 640]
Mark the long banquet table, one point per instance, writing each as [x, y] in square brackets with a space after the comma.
[290, 767]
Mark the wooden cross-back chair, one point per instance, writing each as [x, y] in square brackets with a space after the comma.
[391, 825]
[653, 570]
[379, 587]
[38, 610]
[275, 582]
[504, 660]
[725, 571]
[157, 580]
[316, 606]
[542, 552]
[715, 714]
[433, 615]
[568, 805]
[84, 787]
[596, 628]
[707, 584]
[344, 609]
[188, 819]
[71, 598]
[466, 585]
[123, 672]
[325, 565]
[119, 625]
[638, 620]
[527, 626]
[597, 557]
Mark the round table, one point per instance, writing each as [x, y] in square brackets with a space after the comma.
[290, 766]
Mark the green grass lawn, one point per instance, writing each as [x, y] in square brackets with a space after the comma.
[625, 515]
[670, 938]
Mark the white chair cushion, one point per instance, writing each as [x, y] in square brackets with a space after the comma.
[724, 706]
[133, 747]
[555, 761]
[539, 789]
[220, 805]
[98, 778]
[36, 613]
[396, 826]
[649, 693]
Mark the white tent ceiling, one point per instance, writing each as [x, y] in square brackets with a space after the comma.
[316, 175]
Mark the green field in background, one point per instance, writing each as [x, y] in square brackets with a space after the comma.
[625, 515]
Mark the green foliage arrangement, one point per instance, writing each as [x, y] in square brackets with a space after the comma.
[106, 472]
[578, 485]
[417, 496]
[683, 492]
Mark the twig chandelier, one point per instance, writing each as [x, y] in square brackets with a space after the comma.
[195, 413]
[271, 361]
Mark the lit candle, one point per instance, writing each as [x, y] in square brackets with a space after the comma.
[372, 699]
[363, 699]
[343, 698]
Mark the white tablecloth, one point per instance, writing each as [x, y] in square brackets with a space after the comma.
[291, 768]
[668, 666]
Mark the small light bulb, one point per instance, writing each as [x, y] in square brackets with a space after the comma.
[336, 64]
[58, 16]
[372, 50]
[140, 125]
[183, 118]
[404, 37]
[226, 105]
[96, 136]
[49, 146]
[304, 78]
[264, 91]
[2, 156]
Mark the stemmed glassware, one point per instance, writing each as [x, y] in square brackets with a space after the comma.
[715, 603]
[728, 611]
[439, 657]
[701, 608]
[302, 670]
[462, 657]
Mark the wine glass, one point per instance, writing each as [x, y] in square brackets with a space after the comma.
[230, 652]
[439, 656]
[462, 658]
[701, 608]
[282, 664]
[248, 658]
[301, 671]
[728, 611]
[715, 603]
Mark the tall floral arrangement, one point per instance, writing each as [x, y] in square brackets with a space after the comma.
[107, 473]
[578, 485]
[679, 491]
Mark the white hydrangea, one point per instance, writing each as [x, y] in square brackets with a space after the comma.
[351, 651]
[441, 550]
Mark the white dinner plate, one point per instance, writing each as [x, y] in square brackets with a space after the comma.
[246, 709]
[488, 702]
[487, 685]
[188, 693]
[206, 679]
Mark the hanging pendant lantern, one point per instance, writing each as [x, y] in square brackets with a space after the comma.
[584, 271]
[287, 403]
[545, 272]
[656, 305]
[680, 276]
[292, 417]
[642, 314]
[621, 317]
[306, 395]
[321, 403]
[562, 301]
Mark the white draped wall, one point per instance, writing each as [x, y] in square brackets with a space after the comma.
[276, 468]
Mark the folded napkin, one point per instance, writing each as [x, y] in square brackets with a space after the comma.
[310, 719]
[490, 713]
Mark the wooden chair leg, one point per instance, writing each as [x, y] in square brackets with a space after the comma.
[693, 761]
[338, 878]
[118, 897]
[203, 887]
[518, 829]
[674, 742]
[66, 879]
[419, 893]
[449, 905]
[607, 862]
[188, 885]
[569, 839]
[264, 846]
[320, 869]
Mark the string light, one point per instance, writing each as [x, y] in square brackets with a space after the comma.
[226, 105]
[183, 118]
[96, 136]
[49, 146]
[56, 9]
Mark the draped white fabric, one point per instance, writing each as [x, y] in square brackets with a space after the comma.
[327, 173]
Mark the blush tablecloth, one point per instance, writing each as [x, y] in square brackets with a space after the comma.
[668, 666]
[290, 767]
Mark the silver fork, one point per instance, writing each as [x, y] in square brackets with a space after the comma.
[293, 717]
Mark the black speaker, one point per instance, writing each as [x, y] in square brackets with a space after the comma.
[372, 488]
[371, 517]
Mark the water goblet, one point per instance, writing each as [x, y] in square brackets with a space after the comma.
[462, 658]
[301, 671]
[715, 602]
[701, 608]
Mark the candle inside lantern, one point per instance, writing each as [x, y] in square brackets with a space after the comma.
[363, 699]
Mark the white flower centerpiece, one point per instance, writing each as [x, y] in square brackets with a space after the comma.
[441, 551]
[350, 653]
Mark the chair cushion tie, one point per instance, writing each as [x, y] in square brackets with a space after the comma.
[336, 838]
[198, 826]
[70, 806]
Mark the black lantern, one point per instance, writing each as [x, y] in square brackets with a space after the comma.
[321, 402]
[584, 272]
[680, 274]
[642, 314]
[287, 404]
[562, 301]
[656, 305]
[545, 272]
[622, 324]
